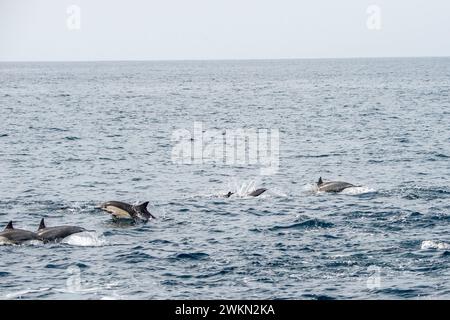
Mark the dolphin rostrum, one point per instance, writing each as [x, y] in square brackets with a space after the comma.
[333, 186]
[50, 234]
[122, 210]
[16, 236]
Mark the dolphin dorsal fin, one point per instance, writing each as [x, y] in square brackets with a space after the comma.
[320, 181]
[42, 224]
[9, 226]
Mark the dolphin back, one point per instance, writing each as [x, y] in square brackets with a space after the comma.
[121, 205]
[334, 186]
[18, 236]
[58, 233]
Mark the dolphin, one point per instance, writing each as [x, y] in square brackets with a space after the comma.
[51, 234]
[16, 236]
[257, 192]
[333, 186]
[254, 193]
[122, 210]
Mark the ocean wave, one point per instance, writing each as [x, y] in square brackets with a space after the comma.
[190, 256]
[308, 224]
[426, 193]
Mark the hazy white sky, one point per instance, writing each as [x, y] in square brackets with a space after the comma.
[221, 29]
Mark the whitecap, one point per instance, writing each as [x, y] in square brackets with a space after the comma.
[429, 244]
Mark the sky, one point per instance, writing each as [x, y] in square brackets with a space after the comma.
[80, 30]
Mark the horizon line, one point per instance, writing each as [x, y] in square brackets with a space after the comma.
[223, 59]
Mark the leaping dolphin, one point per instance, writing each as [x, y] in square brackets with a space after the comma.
[257, 192]
[50, 234]
[254, 193]
[333, 186]
[122, 210]
[16, 236]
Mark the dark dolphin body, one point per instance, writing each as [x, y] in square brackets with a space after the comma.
[333, 186]
[255, 193]
[122, 210]
[16, 236]
[56, 233]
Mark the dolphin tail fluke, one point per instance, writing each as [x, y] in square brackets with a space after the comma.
[42, 224]
[143, 208]
[9, 225]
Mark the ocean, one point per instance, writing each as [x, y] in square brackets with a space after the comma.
[76, 134]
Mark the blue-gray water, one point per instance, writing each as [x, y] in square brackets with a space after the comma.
[75, 134]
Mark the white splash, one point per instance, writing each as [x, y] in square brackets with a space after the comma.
[85, 239]
[276, 192]
[4, 241]
[310, 188]
[23, 293]
[357, 190]
[245, 188]
[239, 189]
[429, 244]
[113, 296]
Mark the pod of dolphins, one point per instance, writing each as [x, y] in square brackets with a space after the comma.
[12, 235]
[123, 211]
